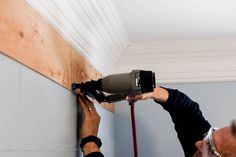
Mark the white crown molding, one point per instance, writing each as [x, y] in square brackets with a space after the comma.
[92, 27]
[183, 61]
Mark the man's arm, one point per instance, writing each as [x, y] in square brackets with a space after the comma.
[190, 124]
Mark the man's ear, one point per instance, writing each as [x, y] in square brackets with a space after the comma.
[199, 145]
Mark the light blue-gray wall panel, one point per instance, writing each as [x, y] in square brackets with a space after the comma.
[106, 131]
[9, 153]
[47, 116]
[217, 100]
[38, 116]
[9, 97]
[155, 132]
[46, 153]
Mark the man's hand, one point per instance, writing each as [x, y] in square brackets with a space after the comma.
[140, 97]
[91, 120]
[90, 124]
[159, 94]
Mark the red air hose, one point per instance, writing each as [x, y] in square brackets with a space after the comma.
[135, 143]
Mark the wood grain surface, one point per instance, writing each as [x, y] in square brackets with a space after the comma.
[28, 38]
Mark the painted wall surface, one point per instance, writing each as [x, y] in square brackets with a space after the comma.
[155, 130]
[38, 116]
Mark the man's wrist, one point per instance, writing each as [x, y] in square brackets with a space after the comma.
[160, 95]
[90, 144]
[155, 93]
[90, 147]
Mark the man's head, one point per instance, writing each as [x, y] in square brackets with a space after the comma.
[224, 140]
[233, 128]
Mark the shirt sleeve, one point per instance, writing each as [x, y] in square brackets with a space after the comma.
[189, 122]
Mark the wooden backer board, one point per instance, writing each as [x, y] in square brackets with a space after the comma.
[28, 38]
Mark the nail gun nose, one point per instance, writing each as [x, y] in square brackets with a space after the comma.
[75, 86]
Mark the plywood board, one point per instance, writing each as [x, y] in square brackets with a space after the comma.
[31, 40]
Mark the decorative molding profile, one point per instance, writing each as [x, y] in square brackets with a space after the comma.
[92, 27]
[184, 61]
[29, 39]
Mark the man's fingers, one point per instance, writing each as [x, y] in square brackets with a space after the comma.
[89, 105]
[134, 97]
[140, 97]
[83, 105]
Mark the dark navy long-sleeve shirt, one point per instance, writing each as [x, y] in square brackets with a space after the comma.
[189, 122]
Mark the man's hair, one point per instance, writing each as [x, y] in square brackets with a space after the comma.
[233, 127]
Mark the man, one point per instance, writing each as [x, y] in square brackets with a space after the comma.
[191, 126]
[196, 135]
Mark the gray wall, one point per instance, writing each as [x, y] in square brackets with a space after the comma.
[38, 116]
[156, 135]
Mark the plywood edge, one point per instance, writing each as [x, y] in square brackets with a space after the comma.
[29, 39]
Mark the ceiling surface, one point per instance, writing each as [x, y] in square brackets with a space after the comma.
[156, 20]
[181, 41]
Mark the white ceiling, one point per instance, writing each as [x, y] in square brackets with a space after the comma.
[181, 40]
[155, 20]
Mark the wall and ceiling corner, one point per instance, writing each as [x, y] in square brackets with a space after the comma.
[187, 41]
[91, 27]
[97, 29]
